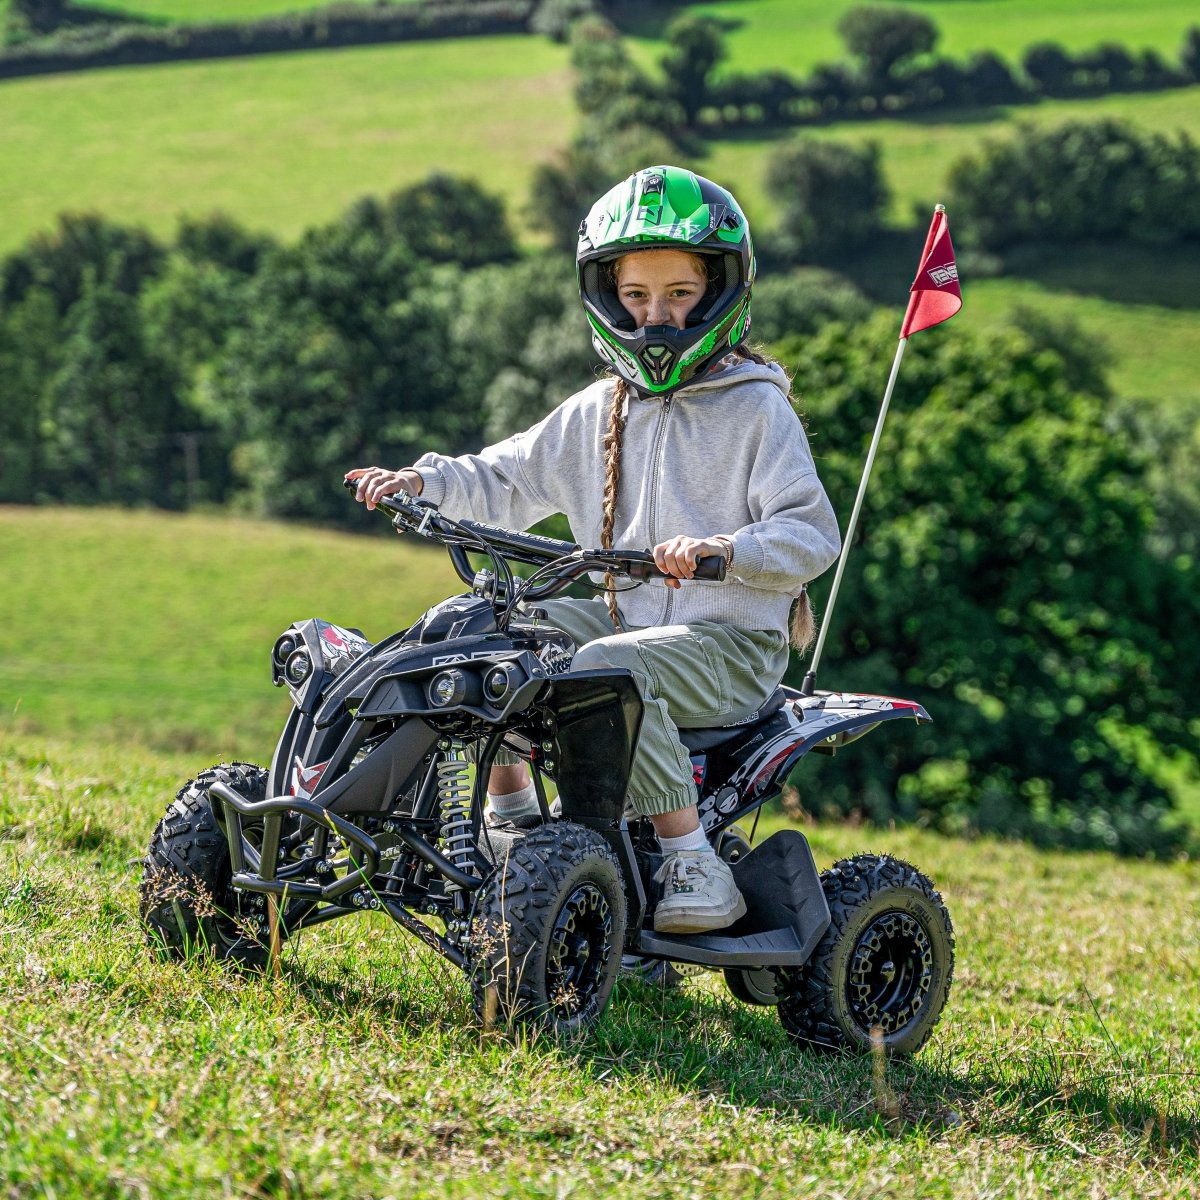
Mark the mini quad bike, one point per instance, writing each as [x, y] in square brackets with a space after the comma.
[375, 802]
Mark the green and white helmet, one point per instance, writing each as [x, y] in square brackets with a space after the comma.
[666, 208]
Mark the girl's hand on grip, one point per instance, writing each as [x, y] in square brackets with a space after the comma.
[677, 556]
[376, 482]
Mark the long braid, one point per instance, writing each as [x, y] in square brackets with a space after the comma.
[613, 439]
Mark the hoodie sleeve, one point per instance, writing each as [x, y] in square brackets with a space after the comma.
[519, 481]
[794, 535]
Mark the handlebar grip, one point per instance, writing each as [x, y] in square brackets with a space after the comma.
[711, 566]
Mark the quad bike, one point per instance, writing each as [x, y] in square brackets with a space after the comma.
[374, 802]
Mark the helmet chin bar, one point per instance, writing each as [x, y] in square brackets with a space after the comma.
[647, 358]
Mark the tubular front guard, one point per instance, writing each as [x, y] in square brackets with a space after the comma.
[257, 870]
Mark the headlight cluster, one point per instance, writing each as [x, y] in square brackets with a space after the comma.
[291, 659]
[455, 686]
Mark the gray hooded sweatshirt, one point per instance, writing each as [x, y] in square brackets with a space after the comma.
[724, 455]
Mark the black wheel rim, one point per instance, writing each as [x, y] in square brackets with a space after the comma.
[891, 969]
[237, 919]
[579, 949]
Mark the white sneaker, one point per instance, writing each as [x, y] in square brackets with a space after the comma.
[698, 894]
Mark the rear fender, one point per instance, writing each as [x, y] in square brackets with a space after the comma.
[825, 723]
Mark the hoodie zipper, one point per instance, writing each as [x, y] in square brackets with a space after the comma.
[660, 437]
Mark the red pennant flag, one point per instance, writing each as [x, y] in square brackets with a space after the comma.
[935, 295]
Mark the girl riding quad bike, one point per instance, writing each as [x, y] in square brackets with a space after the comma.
[658, 714]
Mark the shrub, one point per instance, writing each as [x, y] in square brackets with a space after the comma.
[1104, 179]
[832, 198]
[1004, 576]
[883, 38]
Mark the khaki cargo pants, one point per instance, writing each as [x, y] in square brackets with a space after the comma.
[689, 676]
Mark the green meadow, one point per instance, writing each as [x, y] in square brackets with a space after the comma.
[156, 629]
[1065, 1065]
[281, 142]
[794, 35]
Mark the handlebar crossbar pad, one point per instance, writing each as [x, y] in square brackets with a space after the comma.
[524, 543]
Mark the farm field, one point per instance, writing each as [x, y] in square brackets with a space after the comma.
[281, 142]
[793, 35]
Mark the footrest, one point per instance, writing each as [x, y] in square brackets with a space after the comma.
[786, 913]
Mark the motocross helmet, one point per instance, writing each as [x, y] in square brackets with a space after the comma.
[666, 208]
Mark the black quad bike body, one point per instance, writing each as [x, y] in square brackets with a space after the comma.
[374, 801]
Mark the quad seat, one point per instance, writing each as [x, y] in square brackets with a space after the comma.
[697, 741]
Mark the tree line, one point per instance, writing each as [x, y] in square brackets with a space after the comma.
[892, 68]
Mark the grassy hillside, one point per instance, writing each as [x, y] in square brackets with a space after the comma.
[157, 629]
[281, 142]
[1064, 1065]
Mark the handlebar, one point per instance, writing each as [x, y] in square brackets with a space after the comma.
[411, 514]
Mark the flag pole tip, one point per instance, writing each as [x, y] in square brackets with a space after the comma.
[937, 208]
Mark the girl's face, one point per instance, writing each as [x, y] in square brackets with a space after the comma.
[660, 287]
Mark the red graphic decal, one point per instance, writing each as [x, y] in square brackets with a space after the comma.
[763, 777]
[331, 635]
[305, 779]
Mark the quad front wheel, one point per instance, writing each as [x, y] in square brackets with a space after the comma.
[188, 904]
[883, 967]
[547, 931]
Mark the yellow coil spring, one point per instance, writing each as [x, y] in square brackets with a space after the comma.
[454, 808]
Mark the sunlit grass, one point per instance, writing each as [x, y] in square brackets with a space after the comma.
[280, 142]
[157, 629]
[1065, 1065]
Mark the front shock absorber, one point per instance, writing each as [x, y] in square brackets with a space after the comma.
[454, 808]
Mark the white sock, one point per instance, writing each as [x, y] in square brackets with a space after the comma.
[516, 804]
[694, 841]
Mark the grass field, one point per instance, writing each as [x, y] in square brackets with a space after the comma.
[1067, 1063]
[793, 35]
[281, 142]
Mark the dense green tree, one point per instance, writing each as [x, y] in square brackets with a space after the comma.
[795, 304]
[41, 16]
[883, 39]
[1189, 58]
[31, 339]
[344, 359]
[219, 240]
[123, 256]
[554, 18]
[695, 46]
[110, 421]
[832, 198]
[1004, 576]
[1050, 67]
[1103, 179]
[446, 219]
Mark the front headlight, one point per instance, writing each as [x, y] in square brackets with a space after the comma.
[447, 688]
[298, 667]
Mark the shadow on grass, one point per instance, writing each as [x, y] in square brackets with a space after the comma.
[702, 1045]
[1121, 271]
[719, 1048]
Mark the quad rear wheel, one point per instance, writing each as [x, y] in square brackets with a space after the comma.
[883, 967]
[547, 931]
[187, 902]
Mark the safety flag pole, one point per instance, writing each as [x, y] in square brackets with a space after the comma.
[935, 296]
